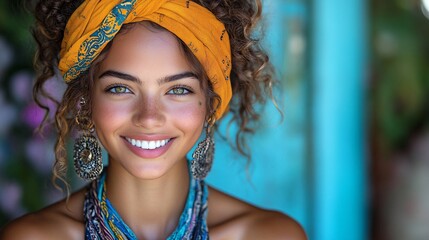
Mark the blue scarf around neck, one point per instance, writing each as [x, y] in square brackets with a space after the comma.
[103, 222]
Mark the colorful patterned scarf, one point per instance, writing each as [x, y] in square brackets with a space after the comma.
[102, 221]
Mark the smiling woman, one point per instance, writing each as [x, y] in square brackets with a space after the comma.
[153, 99]
[145, 80]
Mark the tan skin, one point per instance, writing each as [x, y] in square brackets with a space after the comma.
[149, 187]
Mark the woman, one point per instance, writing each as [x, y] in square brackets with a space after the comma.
[145, 79]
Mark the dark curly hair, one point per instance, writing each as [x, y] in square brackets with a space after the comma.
[251, 76]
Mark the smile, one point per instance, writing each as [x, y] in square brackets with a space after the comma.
[148, 145]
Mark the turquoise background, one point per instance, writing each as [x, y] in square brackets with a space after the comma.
[312, 165]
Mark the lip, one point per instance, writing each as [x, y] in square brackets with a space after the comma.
[149, 153]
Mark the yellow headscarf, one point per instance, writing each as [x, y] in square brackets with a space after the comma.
[95, 23]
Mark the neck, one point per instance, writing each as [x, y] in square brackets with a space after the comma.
[151, 208]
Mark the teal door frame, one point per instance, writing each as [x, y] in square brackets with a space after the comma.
[339, 72]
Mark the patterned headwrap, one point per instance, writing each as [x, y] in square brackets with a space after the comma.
[96, 22]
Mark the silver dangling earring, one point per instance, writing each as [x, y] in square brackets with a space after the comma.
[202, 158]
[87, 152]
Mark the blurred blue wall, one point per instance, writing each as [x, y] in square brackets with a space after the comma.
[277, 178]
[312, 165]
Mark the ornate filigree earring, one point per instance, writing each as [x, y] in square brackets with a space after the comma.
[87, 152]
[202, 158]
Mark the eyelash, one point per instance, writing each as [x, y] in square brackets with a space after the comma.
[112, 87]
[186, 89]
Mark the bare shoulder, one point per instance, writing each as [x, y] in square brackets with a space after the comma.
[62, 220]
[231, 218]
[273, 225]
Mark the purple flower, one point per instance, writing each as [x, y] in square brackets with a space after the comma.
[55, 86]
[10, 199]
[21, 86]
[33, 115]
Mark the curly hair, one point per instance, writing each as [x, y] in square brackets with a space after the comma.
[251, 75]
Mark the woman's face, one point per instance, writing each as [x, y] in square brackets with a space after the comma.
[148, 107]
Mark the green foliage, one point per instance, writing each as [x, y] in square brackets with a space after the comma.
[15, 26]
[400, 83]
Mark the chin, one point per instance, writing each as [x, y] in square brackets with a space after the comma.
[150, 171]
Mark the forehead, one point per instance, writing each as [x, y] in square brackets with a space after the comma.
[144, 50]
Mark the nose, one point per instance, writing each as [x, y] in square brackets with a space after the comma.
[149, 113]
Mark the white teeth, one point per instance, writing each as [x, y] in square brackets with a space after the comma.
[145, 145]
[148, 144]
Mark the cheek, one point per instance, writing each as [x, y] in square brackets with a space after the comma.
[108, 114]
[190, 115]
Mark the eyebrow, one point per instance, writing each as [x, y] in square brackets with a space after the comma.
[176, 77]
[124, 76]
[116, 74]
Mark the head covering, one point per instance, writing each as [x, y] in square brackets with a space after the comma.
[96, 22]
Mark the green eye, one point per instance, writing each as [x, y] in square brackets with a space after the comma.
[119, 89]
[179, 91]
